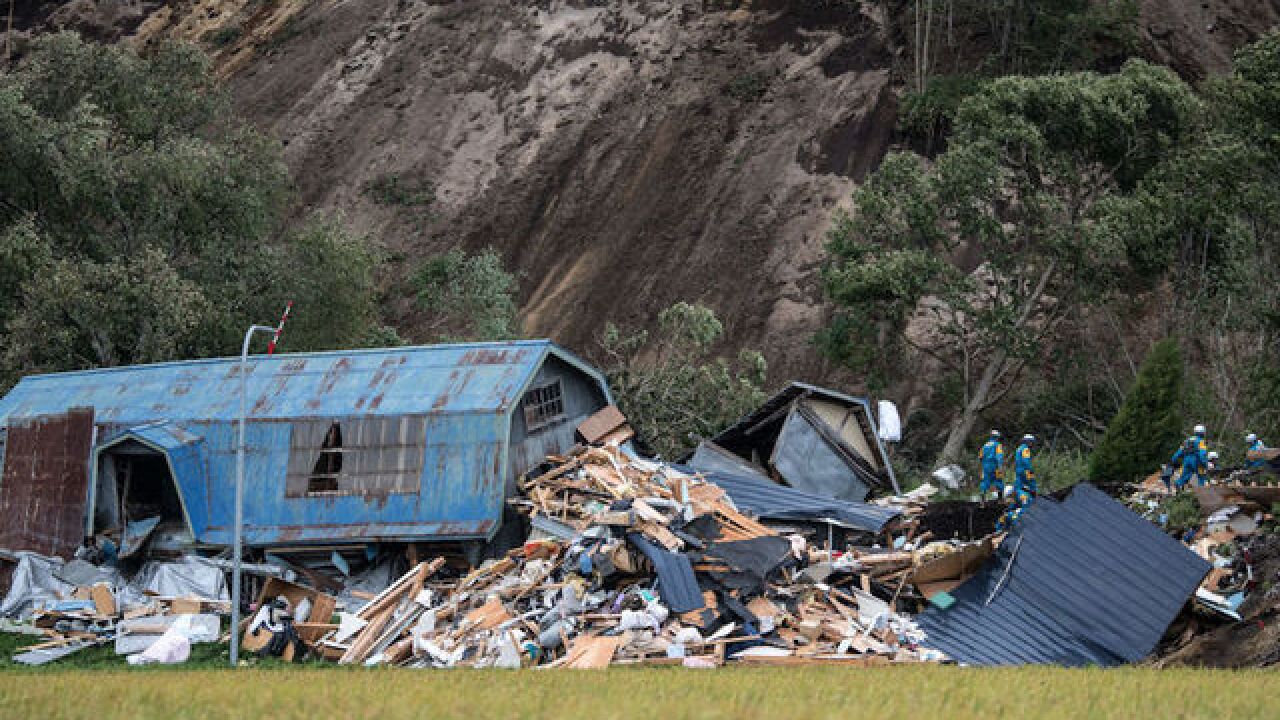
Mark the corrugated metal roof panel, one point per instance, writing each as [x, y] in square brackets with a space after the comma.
[767, 499]
[436, 379]
[1082, 582]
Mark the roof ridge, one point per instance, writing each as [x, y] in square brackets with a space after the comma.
[546, 342]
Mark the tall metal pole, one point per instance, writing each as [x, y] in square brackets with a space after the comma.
[237, 541]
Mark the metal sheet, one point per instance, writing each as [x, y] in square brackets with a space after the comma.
[737, 437]
[766, 499]
[437, 379]
[1082, 582]
[809, 464]
[44, 488]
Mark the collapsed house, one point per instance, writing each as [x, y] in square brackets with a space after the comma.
[1079, 582]
[405, 445]
[813, 439]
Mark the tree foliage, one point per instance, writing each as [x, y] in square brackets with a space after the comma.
[975, 260]
[467, 297]
[140, 221]
[671, 387]
[1149, 424]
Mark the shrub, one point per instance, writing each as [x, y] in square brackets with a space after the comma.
[672, 389]
[1149, 423]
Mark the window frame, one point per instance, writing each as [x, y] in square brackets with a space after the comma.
[535, 407]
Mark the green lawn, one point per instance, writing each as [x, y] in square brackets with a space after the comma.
[891, 693]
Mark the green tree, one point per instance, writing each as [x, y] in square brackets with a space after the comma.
[672, 389]
[1149, 424]
[974, 261]
[140, 221]
[467, 297]
[1207, 220]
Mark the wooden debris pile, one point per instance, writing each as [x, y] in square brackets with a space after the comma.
[649, 566]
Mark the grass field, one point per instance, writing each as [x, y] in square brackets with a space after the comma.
[924, 693]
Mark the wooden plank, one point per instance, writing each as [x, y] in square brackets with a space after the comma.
[103, 600]
[591, 652]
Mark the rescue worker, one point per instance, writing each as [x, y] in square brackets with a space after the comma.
[1024, 485]
[992, 458]
[1202, 444]
[1252, 443]
[1191, 461]
[1009, 519]
[1211, 464]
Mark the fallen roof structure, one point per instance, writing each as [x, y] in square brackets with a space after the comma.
[810, 438]
[770, 501]
[1079, 582]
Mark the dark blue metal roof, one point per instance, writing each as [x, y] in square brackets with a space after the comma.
[767, 499]
[432, 379]
[1081, 582]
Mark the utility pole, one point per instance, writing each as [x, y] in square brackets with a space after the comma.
[238, 542]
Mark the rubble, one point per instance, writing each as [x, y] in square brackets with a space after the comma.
[632, 562]
[650, 566]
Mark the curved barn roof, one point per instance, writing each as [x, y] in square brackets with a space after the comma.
[466, 378]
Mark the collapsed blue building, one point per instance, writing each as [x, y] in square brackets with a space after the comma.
[408, 444]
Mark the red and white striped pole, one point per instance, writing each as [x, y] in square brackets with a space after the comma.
[275, 339]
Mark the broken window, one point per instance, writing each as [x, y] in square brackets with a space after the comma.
[543, 406]
[324, 476]
[356, 456]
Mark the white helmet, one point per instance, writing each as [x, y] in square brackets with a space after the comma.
[1028, 438]
[1213, 455]
[1200, 430]
[995, 433]
[1251, 437]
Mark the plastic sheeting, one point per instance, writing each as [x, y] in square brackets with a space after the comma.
[201, 628]
[34, 585]
[192, 575]
[172, 648]
[890, 422]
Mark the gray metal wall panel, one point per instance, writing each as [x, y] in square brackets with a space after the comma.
[582, 398]
[807, 463]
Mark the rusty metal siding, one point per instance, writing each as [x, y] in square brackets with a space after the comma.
[461, 495]
[46, 480]
[187, 454]
[478, 377]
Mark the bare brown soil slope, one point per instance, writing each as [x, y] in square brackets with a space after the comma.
[620, 155]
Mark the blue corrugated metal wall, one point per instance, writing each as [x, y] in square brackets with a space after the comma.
[467, 393]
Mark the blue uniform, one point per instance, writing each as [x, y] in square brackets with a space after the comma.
[1009, 519]
[1193, 463]
[1257, 446]
[992, 457]
[1024, 476]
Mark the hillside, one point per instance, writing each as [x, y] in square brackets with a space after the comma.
[620, 156]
